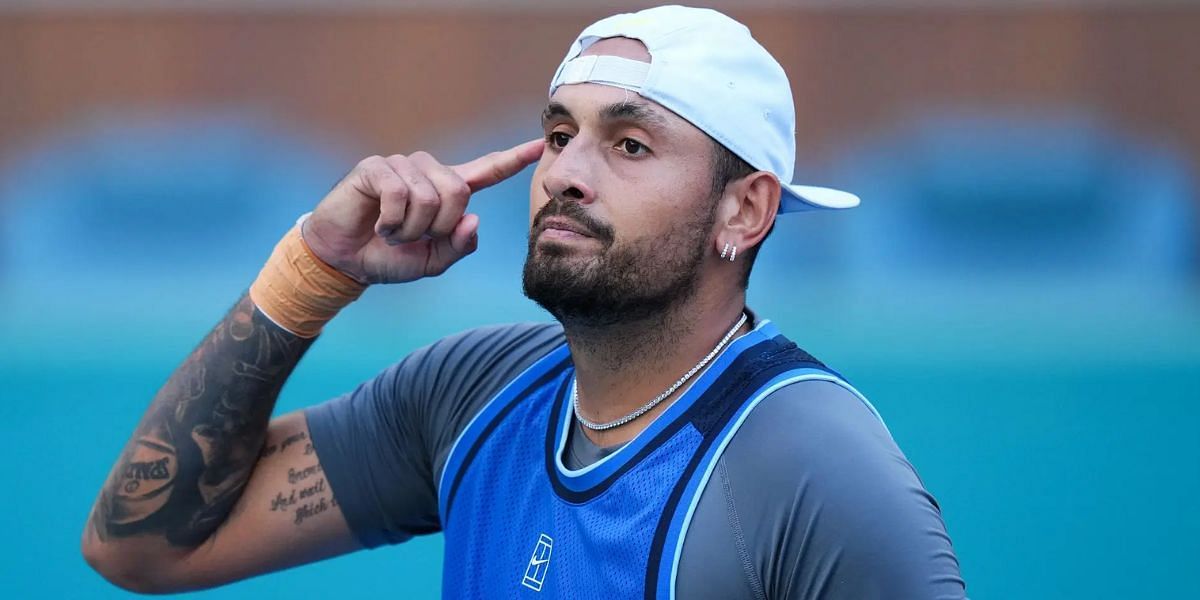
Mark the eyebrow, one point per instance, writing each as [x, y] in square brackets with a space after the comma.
[555, 110]
[634, 112]
[637, 113]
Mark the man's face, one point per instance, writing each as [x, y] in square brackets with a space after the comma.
[621, 209]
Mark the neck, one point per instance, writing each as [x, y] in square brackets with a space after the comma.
[621, 367]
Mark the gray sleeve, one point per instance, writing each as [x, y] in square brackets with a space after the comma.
[383, 445]
[813, 499]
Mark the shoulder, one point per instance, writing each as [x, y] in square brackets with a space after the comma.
[462, 359]
[821, 439]
[806, 419]
[817, 446]
[382, 443]
[439, 387]
[442, 386]
[814, 462]
[493, 342]
[433, 391]
[386, 441]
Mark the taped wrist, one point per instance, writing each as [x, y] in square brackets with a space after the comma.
[298, 291]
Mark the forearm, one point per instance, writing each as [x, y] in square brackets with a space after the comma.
[193, 451]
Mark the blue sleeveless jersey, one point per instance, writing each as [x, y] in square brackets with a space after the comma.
[519, 524]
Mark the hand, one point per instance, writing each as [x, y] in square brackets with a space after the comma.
[401, 218]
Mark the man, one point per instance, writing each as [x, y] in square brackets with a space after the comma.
[662, 441]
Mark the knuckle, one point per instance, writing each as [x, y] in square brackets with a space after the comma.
[427, 199]
[370, 161]
[394, 188]
[392, 215]
[421, 185]
[496, 162]
[461, 190]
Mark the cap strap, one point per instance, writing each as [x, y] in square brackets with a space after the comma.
[602, 68]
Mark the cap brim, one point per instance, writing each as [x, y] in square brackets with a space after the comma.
[797, 198]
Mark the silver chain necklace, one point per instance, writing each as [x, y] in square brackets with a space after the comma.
[594, 426]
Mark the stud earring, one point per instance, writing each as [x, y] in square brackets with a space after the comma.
[725, 250]
[733, 254]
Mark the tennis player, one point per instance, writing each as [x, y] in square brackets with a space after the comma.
[660, 440]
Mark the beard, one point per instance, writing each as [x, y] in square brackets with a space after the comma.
[624, 282]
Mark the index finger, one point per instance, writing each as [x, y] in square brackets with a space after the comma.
[490, 169]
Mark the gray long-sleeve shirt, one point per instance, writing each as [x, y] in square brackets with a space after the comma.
[811, 498]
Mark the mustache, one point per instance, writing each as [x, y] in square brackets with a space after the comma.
[573, 211]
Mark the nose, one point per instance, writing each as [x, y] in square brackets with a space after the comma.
[565, 176]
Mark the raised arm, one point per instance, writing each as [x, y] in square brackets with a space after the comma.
[209, 489]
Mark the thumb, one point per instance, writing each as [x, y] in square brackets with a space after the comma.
[490, 169]
[448, 250]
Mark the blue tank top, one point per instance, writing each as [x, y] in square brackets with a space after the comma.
[519, 524]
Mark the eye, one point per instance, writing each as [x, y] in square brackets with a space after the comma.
[557, 139]
[634, 147]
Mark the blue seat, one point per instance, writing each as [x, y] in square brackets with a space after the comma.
[1018, 195]
[204, 194]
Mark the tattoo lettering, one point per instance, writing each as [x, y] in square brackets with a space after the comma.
[295, 476]
[292, 439]
[281, 502]
[312, 509]
[136, 471]
[197, 444]
[147, 480]
[270, 449]
[307, 494]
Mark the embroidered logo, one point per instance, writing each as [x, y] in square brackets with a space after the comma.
[539, 563]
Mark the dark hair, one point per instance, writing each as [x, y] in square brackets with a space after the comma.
[727, 167]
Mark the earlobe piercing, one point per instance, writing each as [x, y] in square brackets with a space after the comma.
[729, 251]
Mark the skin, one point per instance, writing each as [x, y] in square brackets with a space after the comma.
[210, 489]
[641, 191]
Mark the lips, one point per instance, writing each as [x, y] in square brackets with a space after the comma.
[565, 225]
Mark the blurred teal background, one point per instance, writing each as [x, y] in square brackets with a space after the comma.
[1018, 293]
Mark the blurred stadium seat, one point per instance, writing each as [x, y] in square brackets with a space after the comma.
[202, 192]
[997, 195]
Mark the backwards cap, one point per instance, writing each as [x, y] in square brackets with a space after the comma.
[706, 68]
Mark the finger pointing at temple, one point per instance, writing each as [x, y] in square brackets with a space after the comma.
[490, 169]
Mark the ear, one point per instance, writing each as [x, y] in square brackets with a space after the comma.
[746, 211]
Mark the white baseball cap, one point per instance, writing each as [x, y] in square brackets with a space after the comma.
[708, 69]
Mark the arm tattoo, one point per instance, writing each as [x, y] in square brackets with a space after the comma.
[190, 457]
